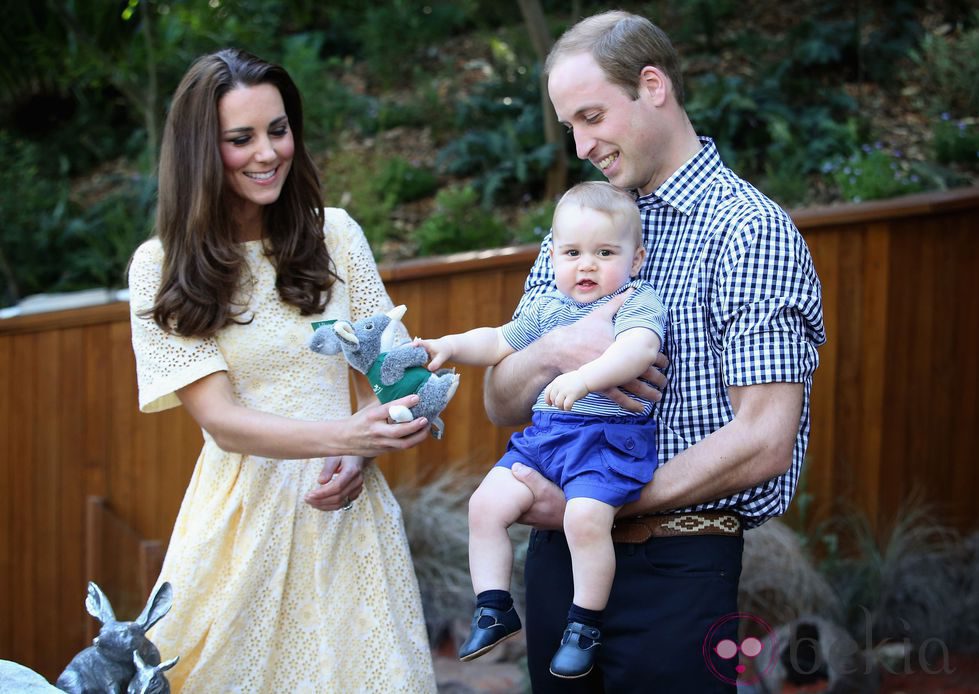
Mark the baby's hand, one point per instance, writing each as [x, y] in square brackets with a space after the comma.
[439, 351]
[565, 390]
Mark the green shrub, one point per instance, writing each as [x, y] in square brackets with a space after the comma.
[897, 30]
[49, 242]
[459, 224]
[328, 106]
[502, 147]
[35, 210]
[956, 142]
[950, 64]
[394, 33]
[759, 130]
[534, 224]
[104, 236]
[873, 173]
[404, 182]
[348, 182]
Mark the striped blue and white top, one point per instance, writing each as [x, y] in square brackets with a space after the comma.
[641, 309]
[744, 307]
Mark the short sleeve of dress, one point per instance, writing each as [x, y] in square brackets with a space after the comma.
[358, 269]
[164, 362]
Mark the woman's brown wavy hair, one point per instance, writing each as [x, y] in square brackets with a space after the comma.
[202, 263]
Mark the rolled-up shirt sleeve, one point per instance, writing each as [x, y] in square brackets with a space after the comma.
[768, 305]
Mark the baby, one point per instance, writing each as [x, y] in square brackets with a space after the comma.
[599, 453]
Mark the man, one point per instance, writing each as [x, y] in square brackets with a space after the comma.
[744, 322]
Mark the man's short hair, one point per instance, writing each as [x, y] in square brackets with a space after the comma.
[619, 205]
[622, 44]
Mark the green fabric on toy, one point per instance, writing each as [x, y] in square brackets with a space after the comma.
[393, 370]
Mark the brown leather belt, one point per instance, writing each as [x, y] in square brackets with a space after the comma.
[638, 529]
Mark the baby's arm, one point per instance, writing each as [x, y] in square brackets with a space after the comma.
[478, 347]
[625, 359]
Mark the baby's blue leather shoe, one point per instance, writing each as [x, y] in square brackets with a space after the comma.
[575, 658]
[490, 626]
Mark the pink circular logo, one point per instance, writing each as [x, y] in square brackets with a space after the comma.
[754, 653]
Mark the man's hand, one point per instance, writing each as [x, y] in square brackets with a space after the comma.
[547, 511]
[565, 390]
[587, 339]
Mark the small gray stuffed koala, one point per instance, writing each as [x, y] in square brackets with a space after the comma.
[393, 371]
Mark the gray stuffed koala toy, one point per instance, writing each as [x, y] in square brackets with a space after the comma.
[393, 371]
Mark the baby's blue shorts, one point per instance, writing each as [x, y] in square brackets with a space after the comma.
[605, 458]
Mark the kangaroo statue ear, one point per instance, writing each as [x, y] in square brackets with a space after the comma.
[98, 604]
[158, 605]
[167, 664]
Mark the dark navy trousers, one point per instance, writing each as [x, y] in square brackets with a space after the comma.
[667, 597]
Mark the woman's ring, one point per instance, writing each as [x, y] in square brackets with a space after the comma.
[348, 502]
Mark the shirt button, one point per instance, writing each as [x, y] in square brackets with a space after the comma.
[629, 444]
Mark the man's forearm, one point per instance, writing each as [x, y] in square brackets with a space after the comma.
[749, 450]
[512, 386]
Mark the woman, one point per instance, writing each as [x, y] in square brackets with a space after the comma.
[274, 590]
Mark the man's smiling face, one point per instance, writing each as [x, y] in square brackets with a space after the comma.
[613, 131]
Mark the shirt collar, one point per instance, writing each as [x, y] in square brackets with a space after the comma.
[688, 184]
[635, 283]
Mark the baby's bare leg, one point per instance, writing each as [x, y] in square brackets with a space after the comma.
[498, 502]
[588, 527]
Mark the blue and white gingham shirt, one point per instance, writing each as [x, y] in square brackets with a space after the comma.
[744, 307]
[642, 309]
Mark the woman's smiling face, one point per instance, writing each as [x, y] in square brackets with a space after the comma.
[256, 144]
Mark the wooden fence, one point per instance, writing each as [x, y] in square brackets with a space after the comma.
[895, 409]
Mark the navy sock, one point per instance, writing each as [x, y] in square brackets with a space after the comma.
[497, 599]
[591, 618]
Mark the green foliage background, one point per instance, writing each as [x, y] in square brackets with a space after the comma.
[84, 88]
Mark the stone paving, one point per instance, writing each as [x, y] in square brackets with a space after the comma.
[476, 677]
[501, 671]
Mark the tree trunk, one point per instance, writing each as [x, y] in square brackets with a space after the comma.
[540, 38]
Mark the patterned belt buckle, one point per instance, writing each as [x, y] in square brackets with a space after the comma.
[702, 524]
[641, 528]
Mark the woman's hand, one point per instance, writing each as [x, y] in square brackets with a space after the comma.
[339, 484]
[369, 432]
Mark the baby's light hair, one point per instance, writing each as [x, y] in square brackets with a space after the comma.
[604, 197]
